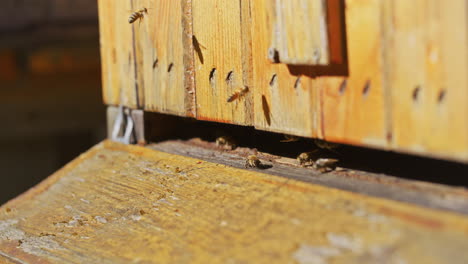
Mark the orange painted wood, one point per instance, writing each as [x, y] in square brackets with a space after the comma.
[352, 108]
[428, 77]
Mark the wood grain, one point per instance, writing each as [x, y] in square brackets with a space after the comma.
[353, 108]
[218, 62]
[124, 204]
[301, 34]
[159, 54]
[428, 77]
[117, 54]
[283, 101]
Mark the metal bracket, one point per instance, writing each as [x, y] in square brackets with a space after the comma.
[125, 125]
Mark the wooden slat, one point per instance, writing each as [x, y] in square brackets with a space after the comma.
[284, 97]
[159, 55]
[218, 61]
[128, 204]
[428, 76]
[301, 34]
[352, 109]
[117, 53]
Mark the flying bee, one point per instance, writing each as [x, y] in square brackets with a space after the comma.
[325, 165]
[252, 162]
[138, 15]
[306, 159]
[226, 142]
[239, 93]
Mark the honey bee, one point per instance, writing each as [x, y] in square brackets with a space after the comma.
[325, 145]
[239, 93]
[305, 159]
[138, 15]
[252, 162]
[289, 138]
[325, 165]
[226, 142]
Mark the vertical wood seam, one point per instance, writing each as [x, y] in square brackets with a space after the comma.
[188, 58]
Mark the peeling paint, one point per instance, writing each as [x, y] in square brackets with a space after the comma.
[307, 254]
[35, 245]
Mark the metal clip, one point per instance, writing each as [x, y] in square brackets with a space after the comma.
[126, 125]
[123, 119]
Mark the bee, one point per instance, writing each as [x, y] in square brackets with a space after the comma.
[289, 138]
[305, 159]
[138, 15]
[325, 145]
[239, 93]
[325, 165]
[226, 142]
[252, 162]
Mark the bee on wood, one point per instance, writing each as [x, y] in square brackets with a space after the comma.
[305, 159]
[325, 165]
[239, 93]
[252, 162]
[138, 15]
[226, 142]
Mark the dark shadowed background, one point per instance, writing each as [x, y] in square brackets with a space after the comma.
[51, 107]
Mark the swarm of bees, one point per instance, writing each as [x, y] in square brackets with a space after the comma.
[226, 142]
[238, 94]
[252, 162]
[138, 15]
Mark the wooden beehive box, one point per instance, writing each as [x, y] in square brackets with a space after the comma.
[384, 74]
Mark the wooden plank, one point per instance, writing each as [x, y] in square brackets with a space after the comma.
[353, 107]
[117, 54]
[159, 56]
[428, 77]
[284, 96]
[121, 204]
[301, 34]
[189, 61]
[218, 62]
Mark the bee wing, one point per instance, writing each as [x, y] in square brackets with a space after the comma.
[326, 162]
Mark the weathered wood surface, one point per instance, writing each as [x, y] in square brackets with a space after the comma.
[159, 55]
[218, 63]
[301, 35]
[119, 79]
[128, 204]
[283, 102]
[394, 81]
[428, 76]
[352, 109]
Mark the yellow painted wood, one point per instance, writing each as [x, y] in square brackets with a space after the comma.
[301, 34]
[117, 53]
[129, 204]
[283, 100]
[218, 62]
[353, 108]
[159, 54]
[428, 76]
